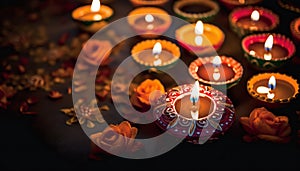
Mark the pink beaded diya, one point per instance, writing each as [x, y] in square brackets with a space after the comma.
[216, 113]
[149, 22]
[231, 4]
[266, 58]
[295, 29]
[148, 2]
[224, 71]
[245, 21]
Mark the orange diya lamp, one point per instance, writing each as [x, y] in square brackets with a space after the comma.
[155, 53]
[149, 22]
[295, 29]
[274, 89]
[92, 18]
[200, 38]
[216, 70]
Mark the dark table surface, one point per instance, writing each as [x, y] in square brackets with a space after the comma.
[44, 141]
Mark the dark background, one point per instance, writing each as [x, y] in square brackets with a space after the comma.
[45, 142]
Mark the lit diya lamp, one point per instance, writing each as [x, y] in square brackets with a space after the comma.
[200, 38]
[231, 4]
[216, 70]
[92, 17]
[268, 51]
[194, 111]
[295, 29]
[148, 2]
[273, 88]
[149, 21]
[155, 53]
[247, 20]
[194, 10]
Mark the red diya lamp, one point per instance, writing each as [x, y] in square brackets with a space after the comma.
[216, 70]
[194, 10]
[273, 89]
[295, 29]
[148, 2]
[155, 53]
[200, 38]
[196, 112]
[149, 22]
[268, 51]
[92, 17]
[246, 20]
[231, 4]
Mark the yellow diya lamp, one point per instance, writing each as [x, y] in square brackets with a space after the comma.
[246, 20]
[197, 112]
[216, 71]
[273, 89]
[200, 38]
[148, 2]
[155, 53]
[194, 10]
[149, 22]
[92, 18]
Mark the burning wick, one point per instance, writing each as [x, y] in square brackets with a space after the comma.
[194, 99]
[95, 7]
[199, 28]
[268, 90]
[216, 63]
[156, 51]
[149, 19]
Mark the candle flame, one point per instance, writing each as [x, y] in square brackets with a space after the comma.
[269, 43]
[95, 7]
[272, 83]
[255, 15]
[149, 18]
[217, 61]
[195, 92]
[262, 90]
[157, 48]
[216, 76]
[199, 28]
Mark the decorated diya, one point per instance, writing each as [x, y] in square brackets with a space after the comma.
[292, 5]
[197, 112]
[295, 29]
[273, 88]
[148, 2]
[246, 20]
[268, 51]
[149, 21]
[155, 53]
[92, 17]
[194, 10]
[200, 38]
[216, 70]
[231, 4]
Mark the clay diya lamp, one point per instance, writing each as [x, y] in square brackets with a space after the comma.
[196, 112]
[149, 22]
[268, 51]
[92, 18]
[231, 4]
[246, 20]
[148, 2]
[155, 53]
[295, 29]
[200, 38]
[273, 89]
[216, 71]
[194, 10]
[292, 5]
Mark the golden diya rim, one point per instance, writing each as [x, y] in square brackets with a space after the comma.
[76, 14]
[236, 13]
[295, 28]
[201, 49]
[157, 12]
[196, 16]
[236, 67]
[279, 39]
[288, 6]
[148, 2]
[289, 79]
[149, 44]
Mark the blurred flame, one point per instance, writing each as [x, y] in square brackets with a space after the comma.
[255, 15]
[95, 7]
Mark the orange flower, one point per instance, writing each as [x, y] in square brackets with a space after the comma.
[147, 90]
[262, 124]
[115, 139]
